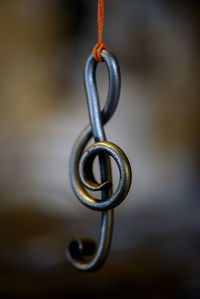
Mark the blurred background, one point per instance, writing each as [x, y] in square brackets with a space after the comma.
[155, 251]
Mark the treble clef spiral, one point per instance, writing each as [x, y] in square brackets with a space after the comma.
[83, 253]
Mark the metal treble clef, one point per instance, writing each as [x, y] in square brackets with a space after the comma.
[82, 253]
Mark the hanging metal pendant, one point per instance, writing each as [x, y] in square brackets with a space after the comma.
[83, 253]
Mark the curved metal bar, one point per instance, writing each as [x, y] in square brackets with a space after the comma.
[87, 179]
[98, 118]
[82, 253]
[79, 249]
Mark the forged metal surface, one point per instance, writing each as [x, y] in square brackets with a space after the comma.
[83, 253]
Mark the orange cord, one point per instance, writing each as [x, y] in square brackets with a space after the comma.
[100, 45]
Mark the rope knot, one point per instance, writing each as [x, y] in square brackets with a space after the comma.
[100, 45]
[97, 51]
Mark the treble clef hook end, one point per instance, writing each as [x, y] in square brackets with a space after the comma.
[79, 251]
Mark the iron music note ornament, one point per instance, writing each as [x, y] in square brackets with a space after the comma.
[83, 253]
